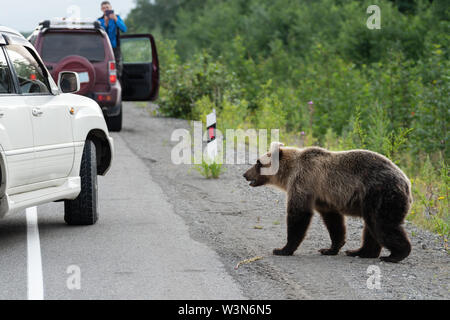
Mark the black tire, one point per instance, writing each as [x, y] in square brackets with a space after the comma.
[115, 122]
[83, 210]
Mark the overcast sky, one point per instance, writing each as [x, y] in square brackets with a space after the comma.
[24, 15]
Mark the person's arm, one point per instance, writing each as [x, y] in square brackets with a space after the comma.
[121, 24]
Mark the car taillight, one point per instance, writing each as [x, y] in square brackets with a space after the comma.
[102, 98]
[112, 72]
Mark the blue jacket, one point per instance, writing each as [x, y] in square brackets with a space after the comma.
[111, 30]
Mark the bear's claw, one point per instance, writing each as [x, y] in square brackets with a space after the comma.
[282, 252]
[362, 254]
[352, 253]
[389, 259]
[329, 252]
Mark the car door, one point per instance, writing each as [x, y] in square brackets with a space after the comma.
[50, 116]
[16, 133]
[140, 76]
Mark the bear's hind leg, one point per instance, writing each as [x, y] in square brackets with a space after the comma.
[335, 223]
[370, 247]
[396, 240]
[392, 209]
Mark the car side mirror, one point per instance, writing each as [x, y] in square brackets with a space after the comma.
[68, 82]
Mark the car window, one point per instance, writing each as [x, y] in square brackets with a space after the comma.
[136, 50]
[57, 46]
[32, 79]
[6, 84]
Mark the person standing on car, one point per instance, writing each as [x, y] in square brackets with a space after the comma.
[113, 25]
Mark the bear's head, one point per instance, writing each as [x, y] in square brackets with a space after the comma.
[266, 168]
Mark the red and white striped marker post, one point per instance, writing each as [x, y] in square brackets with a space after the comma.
[211, 124]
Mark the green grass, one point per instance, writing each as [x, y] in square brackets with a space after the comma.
[209, 171]
[430, 207]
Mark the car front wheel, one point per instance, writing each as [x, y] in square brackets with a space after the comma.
[83, 210]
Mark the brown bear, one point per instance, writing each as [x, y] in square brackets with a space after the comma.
[357, 183]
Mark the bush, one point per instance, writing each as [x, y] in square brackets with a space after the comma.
[314, 70]
[184, 84]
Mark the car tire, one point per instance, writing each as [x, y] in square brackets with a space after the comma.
[83, 210]
[115, 122]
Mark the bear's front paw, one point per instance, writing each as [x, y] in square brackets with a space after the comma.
[282, 252]
[390, 259]
[329, 252]
[353, 253]
[363, 253]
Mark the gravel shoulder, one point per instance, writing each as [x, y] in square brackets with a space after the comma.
[240, 222]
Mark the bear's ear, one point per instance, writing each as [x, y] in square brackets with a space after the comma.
[275, 146]
[265, 159]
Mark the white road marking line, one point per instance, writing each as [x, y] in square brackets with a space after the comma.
[35, 278]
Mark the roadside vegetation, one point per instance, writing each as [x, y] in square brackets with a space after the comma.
[314, 70]
[210, 170]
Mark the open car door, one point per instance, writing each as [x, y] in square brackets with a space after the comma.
[140, 75]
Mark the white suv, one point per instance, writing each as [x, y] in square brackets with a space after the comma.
[53, 144]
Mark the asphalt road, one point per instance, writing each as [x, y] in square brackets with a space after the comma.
[165, 232]
[139, 249]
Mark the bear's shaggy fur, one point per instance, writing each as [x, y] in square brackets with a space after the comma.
[355, 183]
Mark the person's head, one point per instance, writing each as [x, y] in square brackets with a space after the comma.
[106, 5]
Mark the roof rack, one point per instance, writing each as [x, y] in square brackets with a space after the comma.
[68, 23]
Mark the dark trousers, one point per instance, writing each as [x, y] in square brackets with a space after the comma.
[119, 62]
